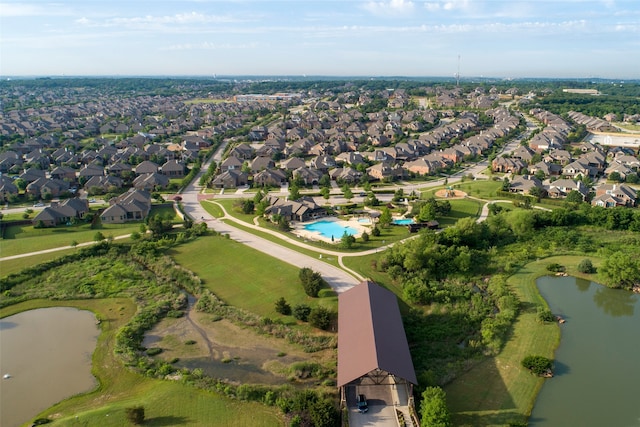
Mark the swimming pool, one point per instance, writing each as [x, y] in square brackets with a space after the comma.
[364, 220]
[403, 221]
[330, 229]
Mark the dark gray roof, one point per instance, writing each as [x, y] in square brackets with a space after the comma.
[371, 335]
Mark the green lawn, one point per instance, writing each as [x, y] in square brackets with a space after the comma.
[461, 208]
[165, 402]
[499, 390]
[484, 189]
[254, 281]
[20, 239]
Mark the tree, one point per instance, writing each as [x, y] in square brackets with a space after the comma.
[620, 270]
[615, 176]
[98, 237]
[365, 236]
[538, 365]
[433, 409]
[320, 318]
[283, 307]
[311, 281]
[325, 192]
[348, 194]
[347, 240]
[135, 414]
[294, 192]
[385, 217]
[505, 184]
[427, 212]
[586, 266]
[574, 196]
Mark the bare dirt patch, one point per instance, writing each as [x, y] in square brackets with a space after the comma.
[450, 194]
[225, 350]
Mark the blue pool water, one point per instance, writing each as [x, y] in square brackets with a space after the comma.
[330, 228]
[364, 220]
[403, 221]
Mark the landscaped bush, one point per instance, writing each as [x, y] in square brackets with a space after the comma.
[311, 281]
[282, 307]
[320, 318]
[301, 312]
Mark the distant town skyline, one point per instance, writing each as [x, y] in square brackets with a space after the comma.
[490, 38]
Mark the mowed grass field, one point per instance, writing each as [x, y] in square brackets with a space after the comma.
[165, 402]
[21, 239]
[244, 277]
[499, 390]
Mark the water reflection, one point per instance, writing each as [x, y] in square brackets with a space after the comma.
[615, 302]
[583, 284]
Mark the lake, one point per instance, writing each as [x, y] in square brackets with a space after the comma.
[47, 352]
[597, 370]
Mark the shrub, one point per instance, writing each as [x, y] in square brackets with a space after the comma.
[320, 318]
[154, 351]
[538, 365]
[311, 281]
[586, 266]
[135, 414]
[545, 315]
[301, 312]
[283, 307]
[555, 267]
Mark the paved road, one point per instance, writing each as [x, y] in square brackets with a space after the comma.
[338, 279]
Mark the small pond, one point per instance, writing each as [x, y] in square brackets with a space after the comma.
[47, 354]
[597, 375]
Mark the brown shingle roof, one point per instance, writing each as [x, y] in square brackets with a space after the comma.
[371, 335]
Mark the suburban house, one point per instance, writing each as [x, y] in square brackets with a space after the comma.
[506, 164]
[562, 187]
[611, 195]
[373, 352]
[232, 178]
[134, 205]
[303, 209]
[62, 213]
[523, 184]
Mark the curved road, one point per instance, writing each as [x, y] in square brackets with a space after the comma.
[338, 279]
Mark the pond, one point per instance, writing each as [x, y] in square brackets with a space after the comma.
[47, 354]
[597, 376]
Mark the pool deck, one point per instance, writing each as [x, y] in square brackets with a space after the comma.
[299, 230]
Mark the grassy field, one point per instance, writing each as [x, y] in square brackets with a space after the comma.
[461, 208]
[499, 390]
[15, 265]
[253, 283]
[165, 402]
[484, 189]
[20, 239]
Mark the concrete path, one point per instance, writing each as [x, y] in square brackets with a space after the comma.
[338, 279]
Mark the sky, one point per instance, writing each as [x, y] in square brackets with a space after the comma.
[488, 38]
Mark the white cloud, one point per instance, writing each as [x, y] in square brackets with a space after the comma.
[152, 21]
[25, 10]
[391, 7]
[211, 46]
[448, 5]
